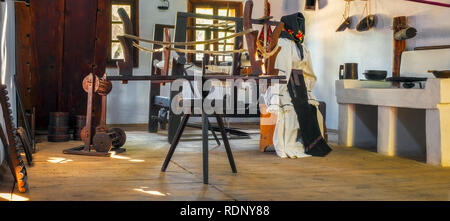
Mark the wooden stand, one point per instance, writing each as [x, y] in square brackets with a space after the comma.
[92, 85]
[177, 123]
[205, 126]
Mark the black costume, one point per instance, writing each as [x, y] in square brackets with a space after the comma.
[311, 136]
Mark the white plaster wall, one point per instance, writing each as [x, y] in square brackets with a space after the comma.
[371, 49]
[7, 56]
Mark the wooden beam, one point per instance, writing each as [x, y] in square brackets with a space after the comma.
[431, 3]
[24, 58]
[78, 57]
[47, 37]
[399, 45]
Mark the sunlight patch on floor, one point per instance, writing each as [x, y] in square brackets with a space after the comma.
[151, 192]
[58, 160]
[115, 156]
[13, 197]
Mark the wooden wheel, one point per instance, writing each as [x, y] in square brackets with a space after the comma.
[102, 142]
[121, 137]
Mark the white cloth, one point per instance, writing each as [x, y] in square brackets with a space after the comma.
[7, 55]
[278, 100]
[290, 60]
[2, 151]
[285, 136]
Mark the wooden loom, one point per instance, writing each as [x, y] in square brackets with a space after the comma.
[176, 124]
[243, 26]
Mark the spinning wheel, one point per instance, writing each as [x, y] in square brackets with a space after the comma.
[120, 137]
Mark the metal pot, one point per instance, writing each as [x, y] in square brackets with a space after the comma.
[375, 75]
[350, 71]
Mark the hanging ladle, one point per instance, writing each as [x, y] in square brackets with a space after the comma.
[347, 21]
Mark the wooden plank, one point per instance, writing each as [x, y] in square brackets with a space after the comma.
[251, 39]
[279, 79]
[102, 36]
[79, 45]
[24, 58]
[432, 47]
[431, 3]
[103, 33]
[238, 44]
[47, 34]
[125, 65]
[271, 61]
[177, 70]
[155, 88]
[166, 53]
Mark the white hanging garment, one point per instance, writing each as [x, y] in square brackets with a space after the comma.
[286, 130]
[7, 55]
[2, 151]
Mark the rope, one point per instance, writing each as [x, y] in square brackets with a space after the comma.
[347, 9]
[367, 8]
[222, 24]
[189, 51]
[264, 53]
[190, 43]
[165, 44]
[147, 49]
[208, 52]
[364, 11]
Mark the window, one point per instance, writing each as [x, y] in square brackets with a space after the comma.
[115, 51]
[207, 28]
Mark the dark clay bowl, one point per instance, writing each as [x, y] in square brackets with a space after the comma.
[375, 75]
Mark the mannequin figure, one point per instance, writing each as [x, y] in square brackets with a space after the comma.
[293, 56]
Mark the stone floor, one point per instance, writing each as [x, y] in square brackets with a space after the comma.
[346, 174]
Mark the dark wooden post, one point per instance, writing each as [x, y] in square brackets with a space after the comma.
[251, 38]
[177, 70]
[155, 88]
[399, 45]
[166, 53]
[238, 44]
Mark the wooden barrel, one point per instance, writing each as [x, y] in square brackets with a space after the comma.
[58, 127]
[79, 123]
